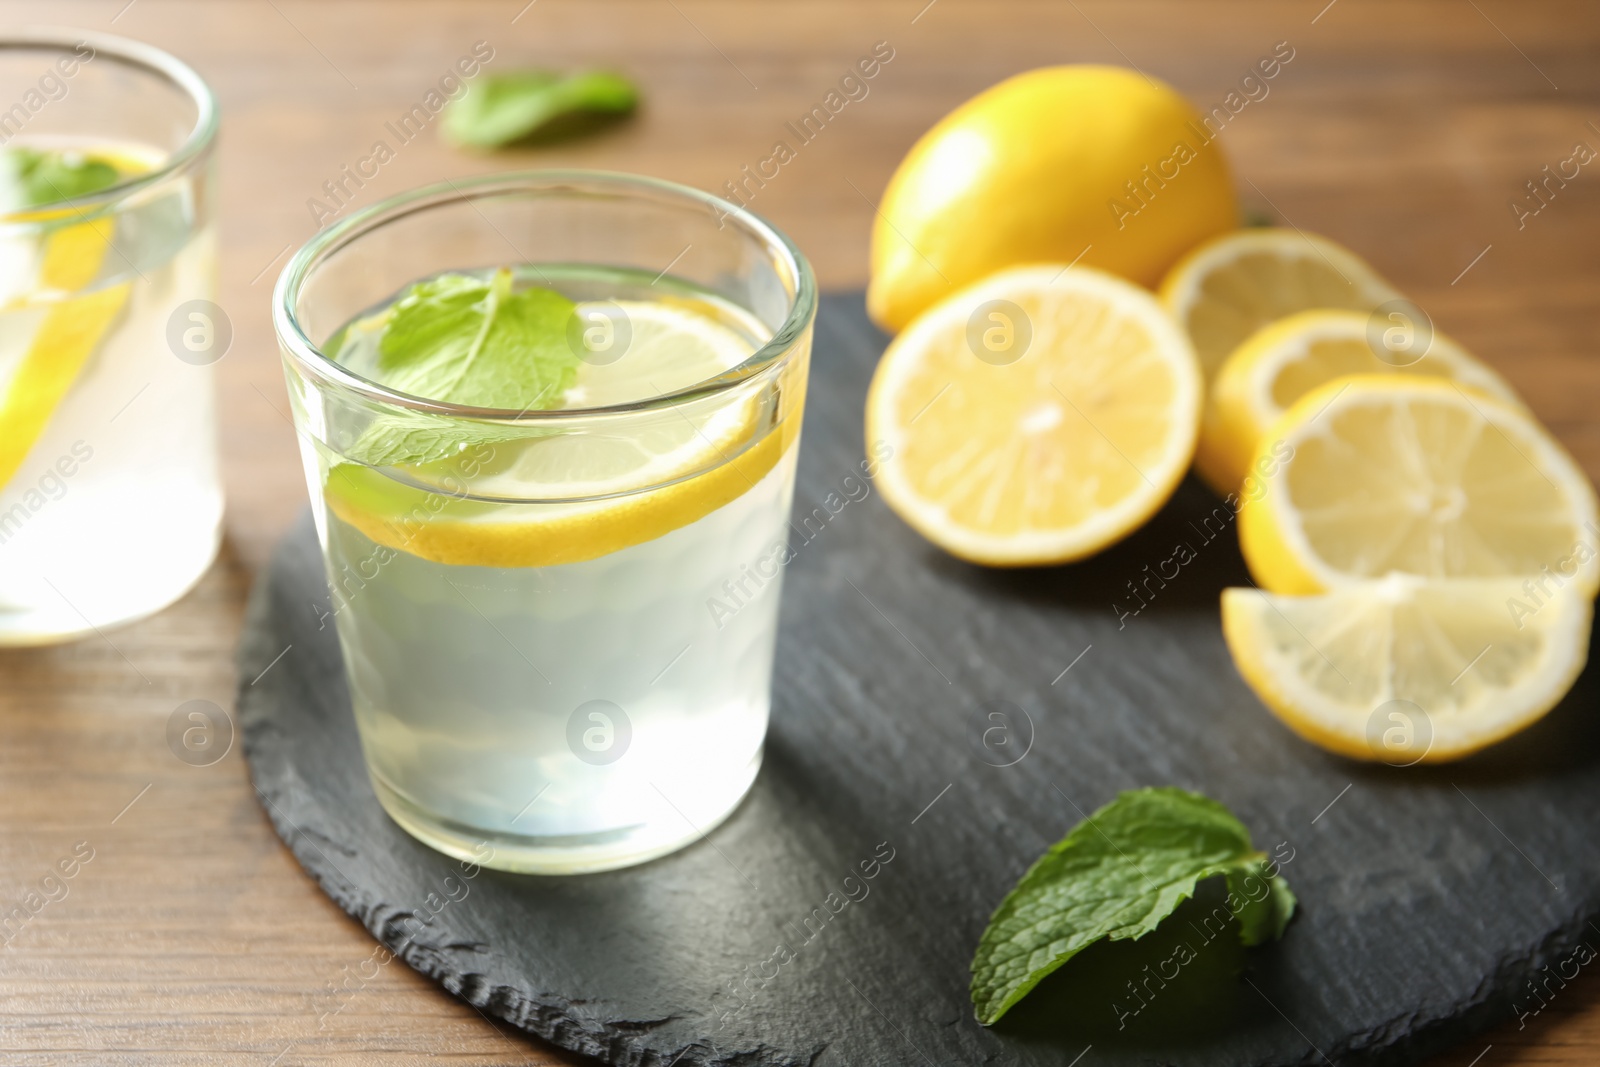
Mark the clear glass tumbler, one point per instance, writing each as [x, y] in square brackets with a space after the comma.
[110, 500]
[559, 639]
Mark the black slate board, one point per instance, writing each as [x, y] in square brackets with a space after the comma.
[1429, 895]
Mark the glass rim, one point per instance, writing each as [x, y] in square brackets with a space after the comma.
[134, 54]
[310, 357]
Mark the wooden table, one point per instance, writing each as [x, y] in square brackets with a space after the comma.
[1402, 129]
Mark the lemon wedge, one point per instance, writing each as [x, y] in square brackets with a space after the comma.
[1406, 670]
[1282, 362]
[70, 332]
[1035, 417]
[1417, 475]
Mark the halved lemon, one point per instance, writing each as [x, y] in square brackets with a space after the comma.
[1405, 670]
[1418, 475]
[1035, 417]
[1282, 362]
[603, 484]
[1229, 287]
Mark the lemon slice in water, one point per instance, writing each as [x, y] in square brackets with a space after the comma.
[637, 476]
[72, 329]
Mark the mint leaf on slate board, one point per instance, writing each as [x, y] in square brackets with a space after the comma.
[1117, 875]
[505, 108]
[464, 340]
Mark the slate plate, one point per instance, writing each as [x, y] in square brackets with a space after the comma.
[1429, 896]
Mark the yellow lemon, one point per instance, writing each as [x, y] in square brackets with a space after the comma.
[1035, 417]
[1376, 474]
[1406, 670]
[1282, 362]
[1089, 164]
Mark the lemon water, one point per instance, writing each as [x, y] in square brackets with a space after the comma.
[110, 500]
[580, 715]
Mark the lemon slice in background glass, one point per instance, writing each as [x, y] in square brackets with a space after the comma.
[72, 257]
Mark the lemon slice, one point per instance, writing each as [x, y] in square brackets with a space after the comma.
[1282, 362]
[1418, 475]
[611, 483]
[640, 348]
[71, 330]
[1229, 287]
[1406, 670]
[1035, 417]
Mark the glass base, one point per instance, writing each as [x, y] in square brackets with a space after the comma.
[63, 621]
[566, 854]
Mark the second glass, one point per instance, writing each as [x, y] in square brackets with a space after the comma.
[110, 496]
[558, 625]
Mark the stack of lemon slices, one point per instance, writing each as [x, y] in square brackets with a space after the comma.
[1424, 551]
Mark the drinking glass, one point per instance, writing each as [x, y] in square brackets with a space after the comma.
[110, 500]
[558, 645]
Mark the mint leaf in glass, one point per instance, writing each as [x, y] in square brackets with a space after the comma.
[1117, 875]
[460, 340]
[504, 108]
[39, 177]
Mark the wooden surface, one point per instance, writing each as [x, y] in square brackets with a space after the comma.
[1401, 129]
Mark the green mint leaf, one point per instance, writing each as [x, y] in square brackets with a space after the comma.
[410, 440]
[1117, 875]
[501, 109]
[1262, 914]
[49, 177]
[464, 340]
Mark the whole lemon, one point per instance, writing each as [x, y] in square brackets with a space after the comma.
[1051, 165]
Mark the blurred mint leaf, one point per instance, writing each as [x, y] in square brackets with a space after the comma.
[463, 340]
[1117, 875]
[503, 108]
[40, 178]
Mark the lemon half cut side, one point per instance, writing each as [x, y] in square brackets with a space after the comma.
[1035, 417]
